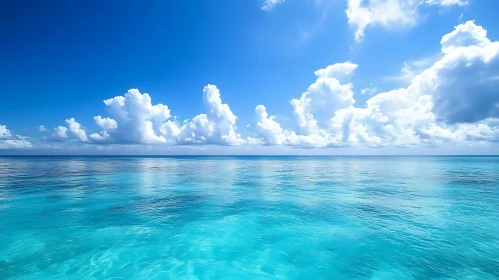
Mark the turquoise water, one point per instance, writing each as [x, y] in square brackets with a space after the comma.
[249, 218]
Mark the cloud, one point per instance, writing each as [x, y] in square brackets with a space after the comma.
[458, 88]
[135, 120]
[465, 35]
[337, 71]
[105, 123]
[389, 14]
[101, 137]
[447, 2]
[269, 130]
[468, 76]
[371, 90]
[217, 126]
[42, 128]
[454, 100]
[11, 141]
[313, 111]
[4, 132]
[324, 96]
[60, 132]
[386, 13]
[412, 68]
[77, 130]
[270, 4]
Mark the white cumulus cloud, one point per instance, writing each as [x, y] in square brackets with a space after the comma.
[77, 130]
[60, 132]
[269, 130]
[453, 100]
[136, 120]
[316, 106]
[4, 132]
[467, 75]
[105, 123]
[217, 126]
[12, 141]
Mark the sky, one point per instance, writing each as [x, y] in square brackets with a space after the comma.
[318, 77]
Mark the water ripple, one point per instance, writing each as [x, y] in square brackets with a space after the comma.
[249, 218]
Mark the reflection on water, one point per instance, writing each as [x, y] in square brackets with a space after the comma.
[249, 218]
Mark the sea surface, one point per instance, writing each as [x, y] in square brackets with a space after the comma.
[249, 218]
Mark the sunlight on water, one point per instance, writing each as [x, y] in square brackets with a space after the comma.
[249, 218]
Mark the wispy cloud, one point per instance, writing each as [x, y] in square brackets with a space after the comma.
[270, 4]
[371, 90]
[412, 68]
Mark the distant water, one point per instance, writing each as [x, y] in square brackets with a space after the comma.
[249, 218]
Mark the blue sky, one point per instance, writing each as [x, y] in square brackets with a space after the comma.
[393, 85]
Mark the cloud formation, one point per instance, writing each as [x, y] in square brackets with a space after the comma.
[269, 131]
[12, 141]
[468, 76]
[389, 14]
[77, 130]
[217, 126]
[60, 132]
[135, 120]
[453, 100]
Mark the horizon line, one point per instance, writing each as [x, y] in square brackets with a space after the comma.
[243, 155]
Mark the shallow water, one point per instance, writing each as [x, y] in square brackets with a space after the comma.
[249, 218]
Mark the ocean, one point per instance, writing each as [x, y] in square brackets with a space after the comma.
[249, 218]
